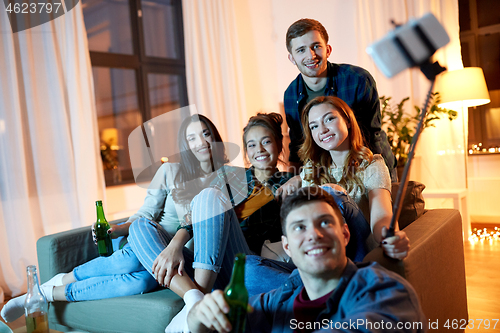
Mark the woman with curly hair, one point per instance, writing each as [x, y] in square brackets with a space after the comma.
[333, 152]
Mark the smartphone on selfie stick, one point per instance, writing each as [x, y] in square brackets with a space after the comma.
[410, 45]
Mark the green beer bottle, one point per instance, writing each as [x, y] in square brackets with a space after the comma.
[236, 295]
[104, 245]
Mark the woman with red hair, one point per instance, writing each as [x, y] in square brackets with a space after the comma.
[334, 153]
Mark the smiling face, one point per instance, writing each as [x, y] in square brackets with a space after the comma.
[199, 138]
[329, 128]
[310, 53]
[262, 149]
[315, 239]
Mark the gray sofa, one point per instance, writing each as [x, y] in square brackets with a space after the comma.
[435, 267]
[149, 312]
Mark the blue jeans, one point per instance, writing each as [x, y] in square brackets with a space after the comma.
[359, 228]
[263, 274]
[120, 274]
[148, 239]
[217, 237]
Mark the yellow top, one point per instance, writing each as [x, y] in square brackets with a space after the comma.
[260, 196]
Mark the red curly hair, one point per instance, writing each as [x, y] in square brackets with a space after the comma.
[321, 159]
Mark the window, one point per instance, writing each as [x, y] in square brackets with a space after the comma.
[137, 55]
[480, 39]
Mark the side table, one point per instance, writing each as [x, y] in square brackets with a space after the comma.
[459, 197]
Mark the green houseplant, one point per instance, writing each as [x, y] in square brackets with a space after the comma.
[401, 126]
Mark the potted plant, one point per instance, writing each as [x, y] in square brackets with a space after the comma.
[401, 126]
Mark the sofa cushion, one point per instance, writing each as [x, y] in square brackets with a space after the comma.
[150, 312]
[413, 202]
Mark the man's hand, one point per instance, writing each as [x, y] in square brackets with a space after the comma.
[292, 185]
[210, 313]
[168, 263]
[396, 247]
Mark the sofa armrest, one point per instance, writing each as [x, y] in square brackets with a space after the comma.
[435, 265]
[63, 251]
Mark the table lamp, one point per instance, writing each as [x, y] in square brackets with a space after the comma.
[459, 90]
[463, 88]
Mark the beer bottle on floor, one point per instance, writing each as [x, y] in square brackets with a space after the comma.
[104, 245]
[35, 305]
[236, 295]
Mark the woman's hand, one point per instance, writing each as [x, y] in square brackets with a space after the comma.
[168, 263]
[292, 185]
[115, 231]
[119, 230]
[94, 237]
[396, 247]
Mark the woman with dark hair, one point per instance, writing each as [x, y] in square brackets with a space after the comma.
[334, 154]
[166, 204]
[189, 160]
[237, 213]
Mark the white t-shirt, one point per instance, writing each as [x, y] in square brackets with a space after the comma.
[373, 175]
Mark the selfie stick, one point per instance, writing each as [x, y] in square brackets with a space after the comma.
[410, 45]
[430, 71]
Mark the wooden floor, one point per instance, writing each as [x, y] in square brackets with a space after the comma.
[482, 269]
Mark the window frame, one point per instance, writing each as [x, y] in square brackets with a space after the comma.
[477, 120]
[144, 65]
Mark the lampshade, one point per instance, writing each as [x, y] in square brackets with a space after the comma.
[462, 88]
[110, 136]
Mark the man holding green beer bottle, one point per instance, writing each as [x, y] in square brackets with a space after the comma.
[327, 292]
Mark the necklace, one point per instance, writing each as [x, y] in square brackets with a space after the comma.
[265, 183]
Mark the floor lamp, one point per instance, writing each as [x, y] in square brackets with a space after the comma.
[459, 90]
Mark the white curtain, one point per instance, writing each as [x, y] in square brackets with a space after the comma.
[50, 167]
[213, 67]
[440, 155]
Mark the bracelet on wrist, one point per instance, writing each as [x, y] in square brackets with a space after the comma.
[188, 228]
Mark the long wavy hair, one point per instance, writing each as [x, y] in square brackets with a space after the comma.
[270, 121]
[322, 160]
[190, 170]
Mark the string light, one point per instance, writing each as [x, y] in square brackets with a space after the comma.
[479, 149]
[481, 235]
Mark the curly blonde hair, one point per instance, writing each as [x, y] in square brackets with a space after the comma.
[321, 160]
